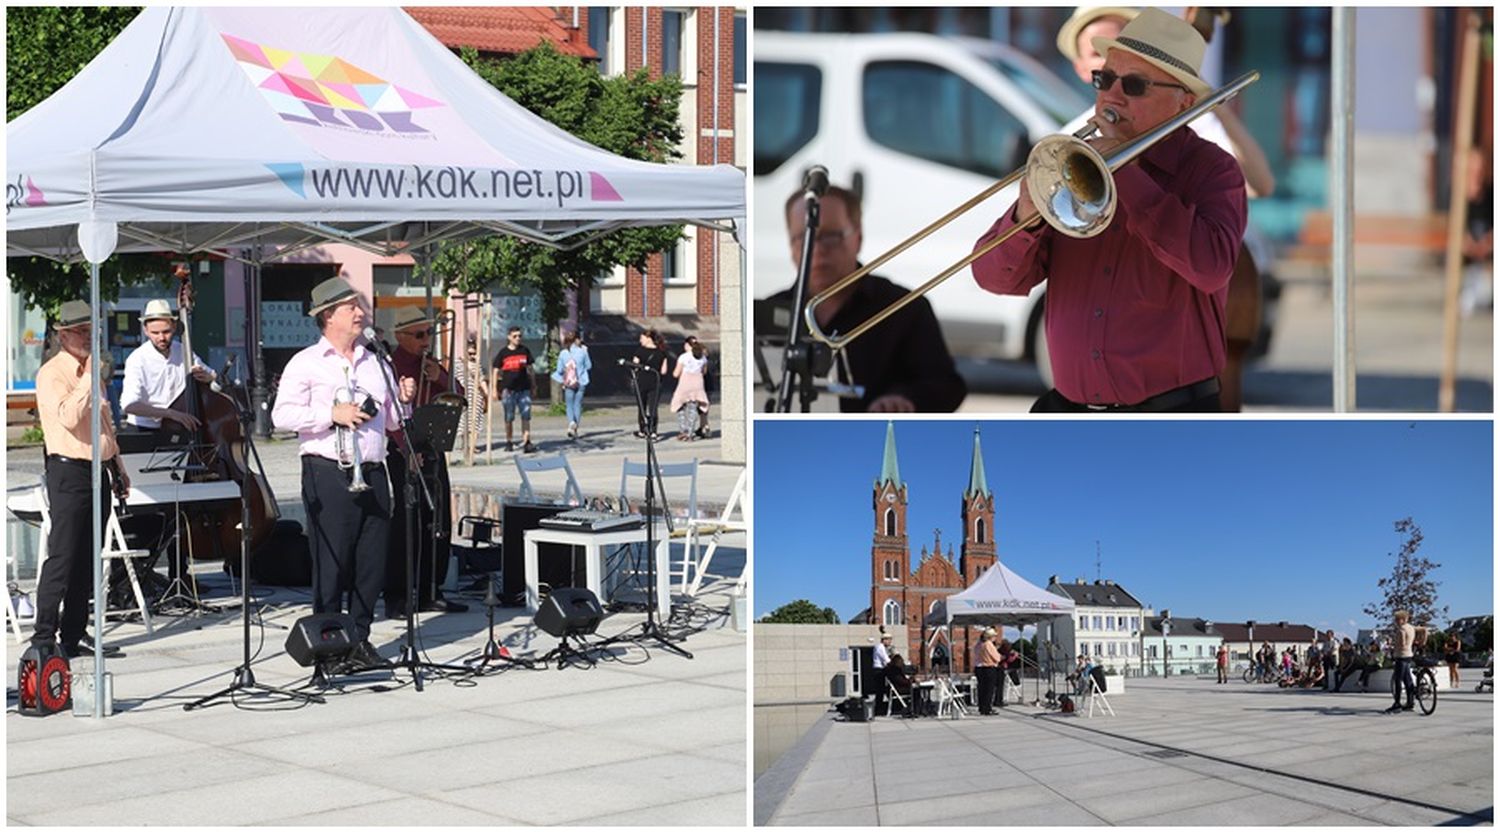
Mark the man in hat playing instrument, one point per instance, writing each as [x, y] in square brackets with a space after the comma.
[64, 396]
[349, 530]
[1135, 315]
[414, 334]
[154, 375]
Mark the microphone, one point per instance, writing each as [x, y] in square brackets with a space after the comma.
[815, 182]
[375, 344]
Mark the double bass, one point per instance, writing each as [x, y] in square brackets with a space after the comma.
[219, 452]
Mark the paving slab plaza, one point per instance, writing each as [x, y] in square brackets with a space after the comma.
[1177, 752]
[644, 738]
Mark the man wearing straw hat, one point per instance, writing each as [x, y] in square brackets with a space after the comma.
[64, 394]
[1135, 315]
[414, 334]
[154, 376]
[349, 531]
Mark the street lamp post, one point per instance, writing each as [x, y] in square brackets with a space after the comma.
[1166, 650]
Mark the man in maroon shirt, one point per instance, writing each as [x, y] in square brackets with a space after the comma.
[1135, 315]
[414, 333]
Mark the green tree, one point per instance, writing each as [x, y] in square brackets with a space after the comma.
[632, 116]
[1409, 587]
[45, 47]
[801, 612]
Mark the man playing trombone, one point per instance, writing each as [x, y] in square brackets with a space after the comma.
[1135, 315]
[413, 358]
[334, 394]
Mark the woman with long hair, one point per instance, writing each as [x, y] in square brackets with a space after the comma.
[572, 373]
[690, 399]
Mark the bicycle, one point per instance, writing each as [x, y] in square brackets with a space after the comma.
[1426, 694]
[1265, 674]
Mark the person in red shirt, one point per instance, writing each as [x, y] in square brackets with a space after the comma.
[1135, 315]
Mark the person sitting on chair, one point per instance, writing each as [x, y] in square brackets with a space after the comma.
[896, 674]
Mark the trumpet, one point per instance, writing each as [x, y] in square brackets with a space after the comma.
[347, 442]
[1071, 184]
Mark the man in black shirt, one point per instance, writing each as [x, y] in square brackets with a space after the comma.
[903, 362]
[510, 379]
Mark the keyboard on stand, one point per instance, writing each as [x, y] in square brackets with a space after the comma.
[592, 520]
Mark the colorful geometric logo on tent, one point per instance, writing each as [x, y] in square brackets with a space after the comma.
[327, 91]
[23, 192]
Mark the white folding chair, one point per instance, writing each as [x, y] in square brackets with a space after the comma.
[895, 696]
[950, 702]
[1095, 696]
[739, 499]
[28, 500]
[675, 479]
[115, 547]
[571, 493]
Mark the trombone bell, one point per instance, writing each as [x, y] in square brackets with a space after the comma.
[1071, 185]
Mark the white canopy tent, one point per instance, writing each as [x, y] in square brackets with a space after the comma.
[1002, 598]
[216, 129]
[205, 128]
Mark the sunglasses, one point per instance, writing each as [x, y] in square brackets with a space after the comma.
[1134, 86]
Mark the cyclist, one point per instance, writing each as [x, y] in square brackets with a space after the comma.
[1405, 637]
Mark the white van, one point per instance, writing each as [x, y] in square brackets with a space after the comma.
[917, 124]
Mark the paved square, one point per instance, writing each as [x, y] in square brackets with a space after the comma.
[1177, 752]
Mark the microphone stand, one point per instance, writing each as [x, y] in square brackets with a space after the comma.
[414, 480]
[244, 675]
[650, 630]
[797, 360]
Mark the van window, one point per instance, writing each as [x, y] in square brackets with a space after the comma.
[930, 112]
[787, 101]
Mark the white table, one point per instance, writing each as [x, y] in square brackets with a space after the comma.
[595, 544]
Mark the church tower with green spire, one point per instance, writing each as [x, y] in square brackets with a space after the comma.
[889, 559]
[978, 513]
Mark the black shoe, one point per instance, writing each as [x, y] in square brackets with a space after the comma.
[442, 606]
[395, 611]
[1408, 708]
[510, 446]
[528, 448]
[365, 656]
[1393, 710]
[85, 648]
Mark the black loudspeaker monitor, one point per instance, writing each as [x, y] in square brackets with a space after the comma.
[557, 564]
[569, 611]
[321, 637]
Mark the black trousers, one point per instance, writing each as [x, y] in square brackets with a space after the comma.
[433, 528]
[350, 537]
[650, 401]
[1402, 677]
[67, 581]
[989, 680]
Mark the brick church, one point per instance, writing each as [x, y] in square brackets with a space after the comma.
[901, 595]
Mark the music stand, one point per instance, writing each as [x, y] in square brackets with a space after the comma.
[180, 460]
[437, 421]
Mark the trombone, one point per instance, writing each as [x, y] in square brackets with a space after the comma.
[1071, 184]
[446, 323]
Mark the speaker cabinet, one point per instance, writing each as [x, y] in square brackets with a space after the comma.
[321, 637]
[555, 562]
[569, 611]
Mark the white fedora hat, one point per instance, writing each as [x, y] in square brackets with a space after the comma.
[1168, 43]
[157, 308]
[1067, 36]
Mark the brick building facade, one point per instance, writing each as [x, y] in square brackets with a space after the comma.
[900, 595]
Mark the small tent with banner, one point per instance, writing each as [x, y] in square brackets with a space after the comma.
[1002, 598]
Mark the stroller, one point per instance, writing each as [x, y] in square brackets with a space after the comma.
[1489, 676]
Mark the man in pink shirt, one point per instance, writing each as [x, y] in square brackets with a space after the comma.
[1135, 315]
[348, 530]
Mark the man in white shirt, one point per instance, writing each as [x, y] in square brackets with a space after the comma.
[882, 659]
[154, 376]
